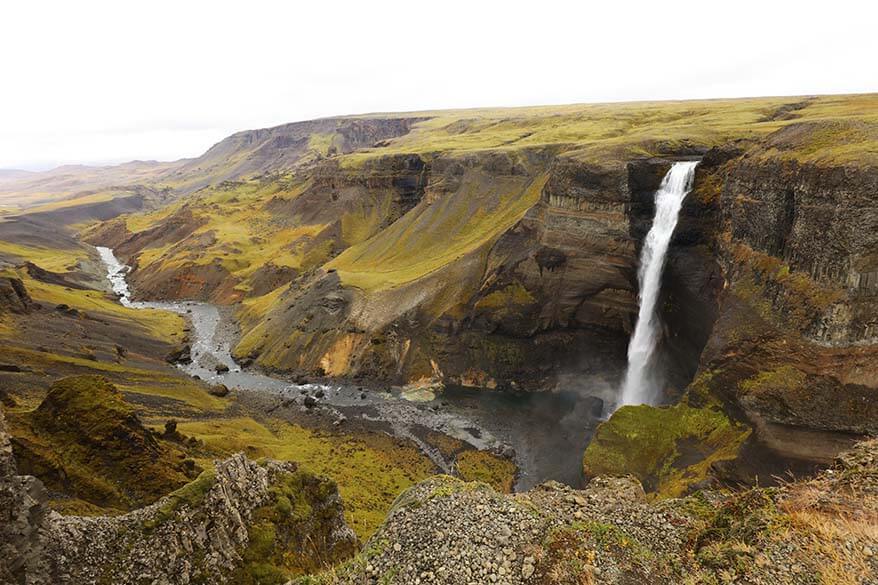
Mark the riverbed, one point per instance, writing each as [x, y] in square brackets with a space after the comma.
[546, 431]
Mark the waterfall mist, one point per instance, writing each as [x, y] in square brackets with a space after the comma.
[641, 385]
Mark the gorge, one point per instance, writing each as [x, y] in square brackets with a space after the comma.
[500, 298]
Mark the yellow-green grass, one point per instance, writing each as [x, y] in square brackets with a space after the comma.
[601, 132]
[482, 466]
[52, 259]
[246, 235]
[7, 325]
[254, 309]
[366, 218]
[177, 388]
[370, 471]
[88, 442]
[47, 361]
[136, 222]
[74, 201]
[162, 325]
[322, 142]
[434, 235]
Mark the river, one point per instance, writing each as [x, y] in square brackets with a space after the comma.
[548, 431]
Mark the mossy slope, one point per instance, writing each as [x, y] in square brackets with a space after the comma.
[84, 441]
[669, 449]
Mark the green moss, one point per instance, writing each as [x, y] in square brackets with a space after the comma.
[436, 234]
[506, 299]
[481, 466]
[786, 298]
[190, 495]
[784, 377]
[322, 142]
[291, 533]
[647, 442]
[84, 441]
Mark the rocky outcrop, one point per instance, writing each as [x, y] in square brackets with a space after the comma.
[446, 531]
[85, 442]
[670, 450]
[23, 513]
[211, 530]
[200, 533]
[14, 297]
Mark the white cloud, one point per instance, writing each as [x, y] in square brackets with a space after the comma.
[108, 81]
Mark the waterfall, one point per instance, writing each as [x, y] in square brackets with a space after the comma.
[641, 385]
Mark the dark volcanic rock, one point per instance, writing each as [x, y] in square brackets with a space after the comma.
[14, 296]
[181, 355]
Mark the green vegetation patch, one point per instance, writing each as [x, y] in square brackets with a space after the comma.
[507, 299]
[729, 538]
[667, 448]
[84, 441]
[436, 234]
[190, 495]
[785, 377]
[571, 553]
[292, 534]
[162, 325]
[485, 467]
[780, 295]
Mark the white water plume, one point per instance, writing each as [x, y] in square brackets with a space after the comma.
[640, 386]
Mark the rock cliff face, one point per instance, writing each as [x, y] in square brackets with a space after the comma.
[23, 513]
[213, 530]
[794, 345]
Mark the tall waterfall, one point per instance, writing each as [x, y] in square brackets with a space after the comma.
[641, 385]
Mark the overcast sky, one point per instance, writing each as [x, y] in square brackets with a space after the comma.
[97, 82]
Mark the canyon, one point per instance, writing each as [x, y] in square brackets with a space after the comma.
[482, 262]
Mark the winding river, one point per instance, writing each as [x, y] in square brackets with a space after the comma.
[548, 431]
